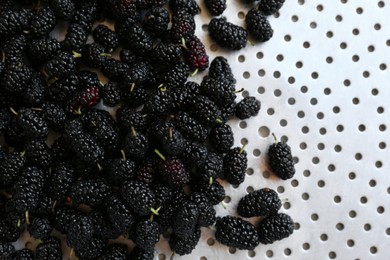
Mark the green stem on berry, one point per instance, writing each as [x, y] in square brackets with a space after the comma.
[27, 217]
[211, 180]
[13, 111]
[275, 138]
[160, 154]
[76, 54]
[223, 205]
[99, 167]
[183, 43]
[101, 83]
[37, 109]
[173, 255]
[163, 88]
[154, 212]
[26, 32]
[212, 228]
[132, 87]
[123, 154]
[105, 54]
[194, 73]
[54, 205]
[238, 91]
[219, 121]
[251, 43]
[77, 111]
[19, 223]
[170, 132]
[242, 148]
[134, 133]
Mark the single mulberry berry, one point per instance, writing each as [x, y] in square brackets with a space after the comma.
[115, 252]
[38, 153]
[236, 232]
[206, 211]
[221, 138]
[135, 144]
[261, 202]
[185, 220]
[50, 248]
[184, 246]
[173, 171]
[212, 167]
[220, 91]
[214, 191]
[138, 196]
[16, 77]
[43, 22]
[280, 160]
[269, 7]
[190, 128]
[195, 53]
[227, 35]
[258, 26]
[32, 123]
[43, 49]
[75, 38]
[61, 65]
[167, 54]
[206, 111]
[105, 37]
[61, 179]
[156, 21]
[234, 165]
[216, 7]
[247, 107]
[63, 9]
[40, 228]
[186, 6]
[220, 69]
[275, 227]
[183, 24]
[146, 234]
[89, 192]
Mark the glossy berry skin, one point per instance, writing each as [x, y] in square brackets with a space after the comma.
[32, 123]
[136, 145]
[236, 232]
[221, 138]
[146, 234]
[14, 21]
[63, 9]
[61, 179]
[38, 153]
[190, 128]
[29, 189]
[50, 248]
[206, 211]
[115, 252]
[138, 196]
[220, 69]
[43, 22]
[184, 246]
[183, 25]
[173, 142]
[174, 172]
[89, 192]
[195, 53]
[16, 78]
[24, 254]
[6, 249]
[156, 21]
[43, 49]
[220, 91]
[227, 35]
[40, 228]
[75, 38]
[61, 65]
[261, 202]
[275, 227]
[215, 192]
[87, 149]
[234, 165]
[111, 94]
[216, 7]
[186, 6]
[281, 161]
[185, 220]
[80, 232]
[258, 26]
[167, 54]
[206, 111]
[212, 167]
[119, 215]
[269, 7]
[105, 37]
[11, 166]
[247, 107]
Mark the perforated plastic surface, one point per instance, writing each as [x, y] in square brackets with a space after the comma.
[323, 80]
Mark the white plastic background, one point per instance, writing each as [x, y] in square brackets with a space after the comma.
[324, 83]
